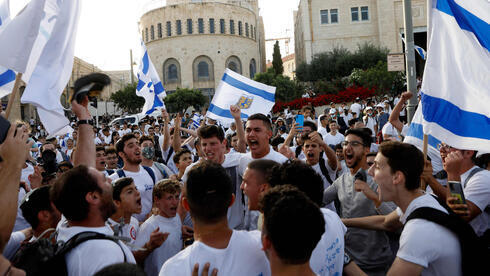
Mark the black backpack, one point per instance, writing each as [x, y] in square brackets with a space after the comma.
[43, 257]
[474, 255]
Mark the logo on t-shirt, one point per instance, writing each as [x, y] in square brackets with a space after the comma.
[132, 233]
[148, 187]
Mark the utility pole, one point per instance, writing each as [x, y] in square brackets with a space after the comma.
[131, 62]
[411, 73]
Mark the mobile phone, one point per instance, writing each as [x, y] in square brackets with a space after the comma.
[4, 128]
[361, 175]
[457, 191]
[300, 120]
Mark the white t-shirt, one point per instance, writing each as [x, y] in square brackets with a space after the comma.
[242, 256]
[272, 155]
[158, 174]
[477, 190]
[428, 244]
[330, 172]
[328, 256]
[97, 141]
[91, 256]
[128, 230]
[301, 153]
[171, 246]
[370, 123]
[355, 107]
[389, 129]
[144, 183]
[322, 131]
[330, 139]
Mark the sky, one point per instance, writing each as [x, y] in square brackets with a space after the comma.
[108, 29]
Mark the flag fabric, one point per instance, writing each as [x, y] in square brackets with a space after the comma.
[52, 70]
[455, 93]
[7, 76]
[417, 49]
[149, 85]
[234, 89]
[415, 136]
[196, 121]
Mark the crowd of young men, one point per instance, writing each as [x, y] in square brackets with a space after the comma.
[326, 200]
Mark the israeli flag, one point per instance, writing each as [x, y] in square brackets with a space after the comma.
[234, 89]
[196, 121]
[149, 85]
[415, 136]
[456, 87]
[7, 76]
[417, 49]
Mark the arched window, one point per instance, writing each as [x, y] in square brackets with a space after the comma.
[171, 71]
[253, 68]
[202, 69]
[233, 63]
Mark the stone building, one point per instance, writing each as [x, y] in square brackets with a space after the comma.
[321, 25]
[192, 42]
[289, 65]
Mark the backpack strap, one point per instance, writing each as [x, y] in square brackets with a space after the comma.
[324, 170]
[109, 172]
[151, 173]
[473, 172]
[83, 237]
[121, 173]
[170, 151]
[297, 151]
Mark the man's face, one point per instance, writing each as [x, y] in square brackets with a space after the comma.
[184, 161]
[213, 149]
[132, 151]
[258, 136]
[130, 200]
[312, 151]
[253, 185]
[106, 205]
[381, 172]
[333, 126]
[100, 160]
[74, 135]
[105, 132]
[340, 154]
[234, 142]
[151, 131]
[167, 205]
[69, 143]
[111, 161]
[157, 129]
[355, 152]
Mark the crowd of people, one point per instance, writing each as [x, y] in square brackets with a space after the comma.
[339, 194]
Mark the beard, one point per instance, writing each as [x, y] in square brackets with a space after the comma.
[107, 208]
[356, 161]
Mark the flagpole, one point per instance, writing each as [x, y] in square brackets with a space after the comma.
[410, 60]
[425, 146]
[18, 78]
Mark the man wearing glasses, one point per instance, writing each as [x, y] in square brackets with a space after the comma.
[355, 191]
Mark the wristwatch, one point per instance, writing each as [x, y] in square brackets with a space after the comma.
[89, 122]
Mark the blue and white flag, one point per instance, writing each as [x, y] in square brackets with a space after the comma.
[417, 49]
[196, 121]
[250, 96]
[415, 136]
[7, 76]
[456, 86]
[149, 85]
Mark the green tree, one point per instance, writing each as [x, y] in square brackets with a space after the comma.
[379, 78]
[127, 100]
[286, 89]
[277, 60]
[183, 98]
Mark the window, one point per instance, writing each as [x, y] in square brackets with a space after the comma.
[152, 32]
[222, 26]
[189, 26]
[364, 13]
[211, 25]
[354, 12]
[172, 72]
[232, 27]
[251, 31]
[146, 34]
[233, 66]
[179, 27]
[324, 16]
[246, 29]
[253, 68]
[202, 69]
[200, 25]
[160, 34]
[233, 63]
[169, 28]
[334, 16]
[240, 31]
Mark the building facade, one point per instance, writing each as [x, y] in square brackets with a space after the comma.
[322, 25]
[289, 65]
[192, 42]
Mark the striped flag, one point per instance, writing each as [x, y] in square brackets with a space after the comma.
[149, 85]
[7, 76]
[455, 90]
[196, 121]
[234, 89]
[417, 49]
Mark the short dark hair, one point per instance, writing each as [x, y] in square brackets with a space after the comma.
[65, 164]
[264, 167]
[110, 150]
[100, 148]
[69, 191]
[405, 158]
[361, 133]
[276, 141]
[301, 176]
[166, 186]
[179, 153]
[210, 131]
[35, 201]
[263, 118]
[209, 192]
[145, 138]
[372, 153]
[310, 124]
[123, 140]
[121, 269]
[352, 121]
[338, 146]
[119, 185]
[288, 213]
